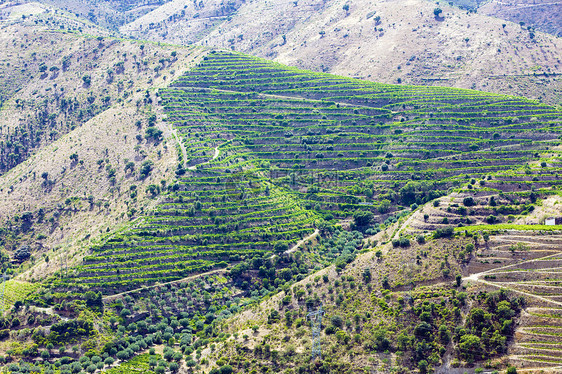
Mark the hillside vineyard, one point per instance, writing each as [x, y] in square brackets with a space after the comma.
[271, 150]
[199, 205]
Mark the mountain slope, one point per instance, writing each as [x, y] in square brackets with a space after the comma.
[48, 91]
[282, 176]
[34, 13]
[393, 41]
[374, 317]
[274, 151]
[107, 15]
[73, 150]
[544, 15]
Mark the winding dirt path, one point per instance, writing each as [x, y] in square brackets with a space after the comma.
[302, 241]
[113, 297]
[218, 271]
[476, 277]
[217, 153]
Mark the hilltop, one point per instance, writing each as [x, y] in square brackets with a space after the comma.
[109, 14]
[468, 44]
[41, 13]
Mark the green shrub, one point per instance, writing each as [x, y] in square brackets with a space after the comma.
[146, 168]
[444, 232]
[337, 321]
[362, 217]
[468, 201]
[491, 219]
[153, 133]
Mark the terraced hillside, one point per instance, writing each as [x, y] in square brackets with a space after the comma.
[525, 260]
[269, 153]
[532, 265]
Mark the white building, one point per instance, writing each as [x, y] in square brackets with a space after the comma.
[551, 221]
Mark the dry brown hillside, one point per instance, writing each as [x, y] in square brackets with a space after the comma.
[107, 13]
[545, 15]
[33, 12]
[83, 177]
[391, 41]
[54, 81]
